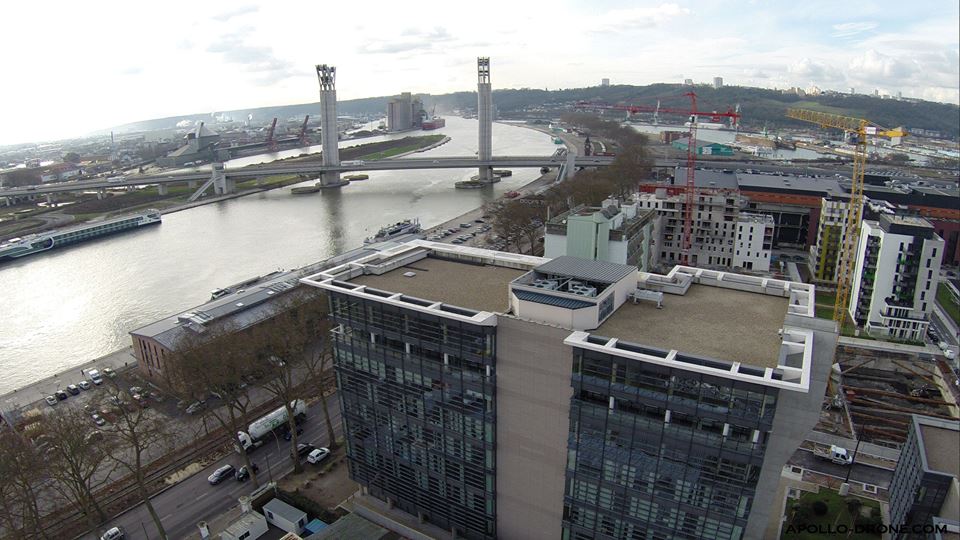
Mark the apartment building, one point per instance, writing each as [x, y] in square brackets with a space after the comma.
[831, 232]
[895, 280]
[925, 490]
[612, 232]
[497, 395]
[754, 242]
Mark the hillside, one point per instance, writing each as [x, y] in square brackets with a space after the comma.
[759, 106]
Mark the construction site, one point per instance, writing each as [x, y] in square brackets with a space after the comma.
[872, 394]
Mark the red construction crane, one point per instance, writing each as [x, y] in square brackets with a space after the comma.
[271, 142]
[304, 141]
[691, 187]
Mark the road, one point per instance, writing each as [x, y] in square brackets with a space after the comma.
[194, 499]
[859, 472]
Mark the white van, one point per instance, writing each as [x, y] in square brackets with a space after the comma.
[95, 377]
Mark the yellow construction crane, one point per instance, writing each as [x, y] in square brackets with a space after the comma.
[859, 128]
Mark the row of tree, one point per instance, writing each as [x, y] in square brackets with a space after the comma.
[61, 464]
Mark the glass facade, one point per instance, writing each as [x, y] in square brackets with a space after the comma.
[656, 452]
[419, 411]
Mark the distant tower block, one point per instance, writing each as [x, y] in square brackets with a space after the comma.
[328, 124]
[485, 115]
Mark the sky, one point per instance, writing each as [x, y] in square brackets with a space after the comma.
[71, 67]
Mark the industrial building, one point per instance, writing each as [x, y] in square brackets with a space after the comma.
[404, 113]
[896, 275]
[925, 489]
[704, 148]
[493, 394]
[201, 145]
[613, 232]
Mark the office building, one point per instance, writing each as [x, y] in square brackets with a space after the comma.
[613, 232]
[754, 242]
[924, 490]
[497, 395]
[718, 82]
[896, 275]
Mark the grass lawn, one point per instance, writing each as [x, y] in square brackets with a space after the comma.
[837, 514]
[826, 298]
[946, 300]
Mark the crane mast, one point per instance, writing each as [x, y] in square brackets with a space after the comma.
[847, 262]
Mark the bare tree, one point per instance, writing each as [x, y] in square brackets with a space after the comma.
[135, 436]
[22, 467]
[75, 462]
[319, 360]
[218, 363]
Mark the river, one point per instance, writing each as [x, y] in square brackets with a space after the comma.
[66, 307]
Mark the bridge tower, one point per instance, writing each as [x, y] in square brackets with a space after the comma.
[485, 116]
[328, 125]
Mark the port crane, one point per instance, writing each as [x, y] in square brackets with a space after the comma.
[271, 141]
[690, 189]
[859, 129]
[304, 140]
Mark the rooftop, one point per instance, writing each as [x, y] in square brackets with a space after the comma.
[720, 323]
[940, 446]
[478, 287]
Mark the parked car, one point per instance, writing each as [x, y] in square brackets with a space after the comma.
[84, 385]
[51, 400]
[72, 388]
[304, 449]
[136, 390]
[61, 395]
[109, 372]
[196, 407]
[113, 534]
[98, 420]
[220, 474]
[318, 455]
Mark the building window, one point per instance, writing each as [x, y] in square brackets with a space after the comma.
[244, 536]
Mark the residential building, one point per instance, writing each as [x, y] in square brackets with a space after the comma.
[613, 232]
[896, 275]
[704, 148]
[604, 82]
[924, 490]
[718, 82]
[497, 395]
[754, 242]
[831, 233]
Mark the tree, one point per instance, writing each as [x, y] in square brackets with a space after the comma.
[136, 434]
[281, 350]
[22, 467]
[318, 361]
[217, 362]
[72, 157]
[75, 462]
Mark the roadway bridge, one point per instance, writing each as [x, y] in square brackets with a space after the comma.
[255, 171]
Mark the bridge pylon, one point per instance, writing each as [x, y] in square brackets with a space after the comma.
[485, 116]
[327, 76]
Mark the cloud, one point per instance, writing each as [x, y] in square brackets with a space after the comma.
[815, 70]
[629, 20]
[235, 12]
[756, 74]
[851, 29]
[130, 71]
[877, 67]
[254, 59]
[411, 40]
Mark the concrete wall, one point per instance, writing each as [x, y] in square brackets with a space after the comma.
[554, 245]
[797, 413]
[533, 408]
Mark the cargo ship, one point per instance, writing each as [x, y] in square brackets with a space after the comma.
[35, 243]
[407, 226]
[434, 123]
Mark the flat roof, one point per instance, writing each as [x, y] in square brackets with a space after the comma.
[471, 286]
[588, 269]
[940, 446]
[725, 324]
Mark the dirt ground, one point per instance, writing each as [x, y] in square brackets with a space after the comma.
[328, 484]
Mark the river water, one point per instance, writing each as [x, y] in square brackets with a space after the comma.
[66, 307]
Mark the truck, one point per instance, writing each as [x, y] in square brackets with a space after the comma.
[259, 430]
[836, 454]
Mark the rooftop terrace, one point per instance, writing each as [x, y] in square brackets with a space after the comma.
[726, 324]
